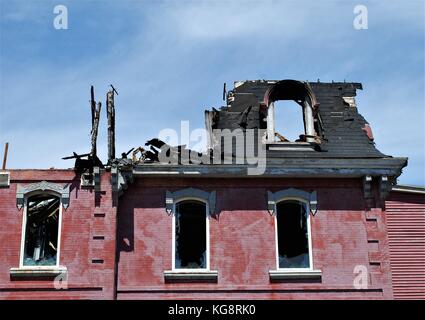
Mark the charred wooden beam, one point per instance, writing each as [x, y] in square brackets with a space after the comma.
[95, 129]
[76, 156]
[95, 112]
[110, 110]
[85, 165]
[93, 105]
[124, 155]
[6, 149]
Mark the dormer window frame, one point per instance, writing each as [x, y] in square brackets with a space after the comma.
[308, 124]
[306, 100]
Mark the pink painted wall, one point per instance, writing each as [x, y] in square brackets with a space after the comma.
[242, 240]
[85, 279]
[346, 232]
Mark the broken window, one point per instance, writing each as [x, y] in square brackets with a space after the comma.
[292, 234]
[41, 230]
[289, 124]
[299, 96]
[191, 235]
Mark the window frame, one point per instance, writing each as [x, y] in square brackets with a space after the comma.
[308, 123]
[301, 93]
[173, 241]
[306, 203]
[24, 228]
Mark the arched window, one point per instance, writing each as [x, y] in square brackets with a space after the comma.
[293, 239]
[42, 204]
[40, 231]
[304, 100]
[190, 235]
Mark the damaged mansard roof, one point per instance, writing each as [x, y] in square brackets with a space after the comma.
[337, 141]
[344, 132]
[340, 139]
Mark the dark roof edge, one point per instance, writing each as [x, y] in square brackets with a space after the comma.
[319, 169]
[409, 189]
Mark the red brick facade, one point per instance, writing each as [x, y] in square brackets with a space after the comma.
[129, 262]
[86, 280]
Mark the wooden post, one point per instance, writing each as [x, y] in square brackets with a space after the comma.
[95, 118]
[6, 149]
[92, 105]
[95, 129]
[110, 109]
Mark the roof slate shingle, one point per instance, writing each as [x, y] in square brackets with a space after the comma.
[342, 137]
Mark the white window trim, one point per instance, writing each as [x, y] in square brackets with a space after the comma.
[310, 243]
[173, 244]
[23, 232]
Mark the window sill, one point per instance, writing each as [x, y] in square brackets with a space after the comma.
[302, 275]
[37, 272]
[291, 146]
[190, 276]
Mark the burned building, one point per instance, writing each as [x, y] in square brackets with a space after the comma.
[258, 215]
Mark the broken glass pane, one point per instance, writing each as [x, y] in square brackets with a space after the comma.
[191, 237]
[292, 235]
[41, 232]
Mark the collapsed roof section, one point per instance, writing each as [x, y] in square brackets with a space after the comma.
[336, 141]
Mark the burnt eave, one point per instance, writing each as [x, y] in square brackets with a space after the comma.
[282, 168]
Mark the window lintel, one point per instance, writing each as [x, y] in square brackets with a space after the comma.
[274, 197]
[171, 198]
[59, 190]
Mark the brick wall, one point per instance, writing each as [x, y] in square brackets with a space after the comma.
[86, 280]
[346, 232]
[242, 241]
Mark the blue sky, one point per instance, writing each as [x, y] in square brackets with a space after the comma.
[169, 59]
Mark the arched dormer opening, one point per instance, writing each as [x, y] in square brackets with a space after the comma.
[300, 93]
